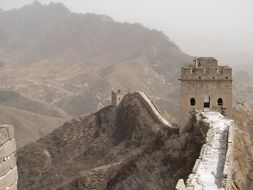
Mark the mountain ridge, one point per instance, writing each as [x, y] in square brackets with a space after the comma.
[72, 57]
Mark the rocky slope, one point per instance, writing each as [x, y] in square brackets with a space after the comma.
[115, 148]
[243, 151]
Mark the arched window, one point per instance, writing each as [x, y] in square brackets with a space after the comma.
[220, 102]
[192, 101]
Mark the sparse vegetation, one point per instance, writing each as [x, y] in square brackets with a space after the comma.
[7, 95]
[115, 148]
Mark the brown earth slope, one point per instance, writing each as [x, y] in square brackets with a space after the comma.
[14, 100]
[115, 148]
[29, 127]
[243, 152]
[32, 119]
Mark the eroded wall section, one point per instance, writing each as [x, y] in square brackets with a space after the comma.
[8, 166]
[212, 170]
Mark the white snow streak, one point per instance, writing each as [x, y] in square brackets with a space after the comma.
[209, 173]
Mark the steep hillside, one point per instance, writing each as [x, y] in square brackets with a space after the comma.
[243, 156]
[73, 60]
[29, 127]
[15, 100]
[32, 119]
[115, 148]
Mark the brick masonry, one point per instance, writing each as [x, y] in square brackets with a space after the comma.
[203, 83]
[8, 166]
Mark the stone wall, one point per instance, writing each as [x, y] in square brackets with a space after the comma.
[228, 167]
[8, 167]
[153, 109]
[218, 171]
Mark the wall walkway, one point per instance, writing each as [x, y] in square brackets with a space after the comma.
[153, 109]
[212, 170]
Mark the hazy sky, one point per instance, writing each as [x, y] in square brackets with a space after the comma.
[198, 27]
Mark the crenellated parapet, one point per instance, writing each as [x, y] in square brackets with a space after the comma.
[8, 166]
[206, 69]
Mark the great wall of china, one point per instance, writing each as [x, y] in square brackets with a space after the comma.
[8, 166]
[204, 79]
[153, 109]
[212, 170]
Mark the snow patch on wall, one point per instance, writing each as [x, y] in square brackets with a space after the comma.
[208, 172]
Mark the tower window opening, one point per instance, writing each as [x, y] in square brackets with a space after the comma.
[226, 77]
[199, 77]
[207, 102]
[192, 101]
[220, 102]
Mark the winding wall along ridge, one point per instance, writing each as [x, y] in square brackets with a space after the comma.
[153, 109]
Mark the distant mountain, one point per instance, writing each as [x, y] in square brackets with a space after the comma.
[29, 127]
[31, 118]
[243, 84]
[73, 60]
[15, 100]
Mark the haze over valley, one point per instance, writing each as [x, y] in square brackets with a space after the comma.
[93, 90]
[69, 62]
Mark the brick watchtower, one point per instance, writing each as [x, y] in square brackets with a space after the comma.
[205, 86]
[116, 97]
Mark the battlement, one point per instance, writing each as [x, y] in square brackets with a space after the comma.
[205, 86]
[206, 69]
